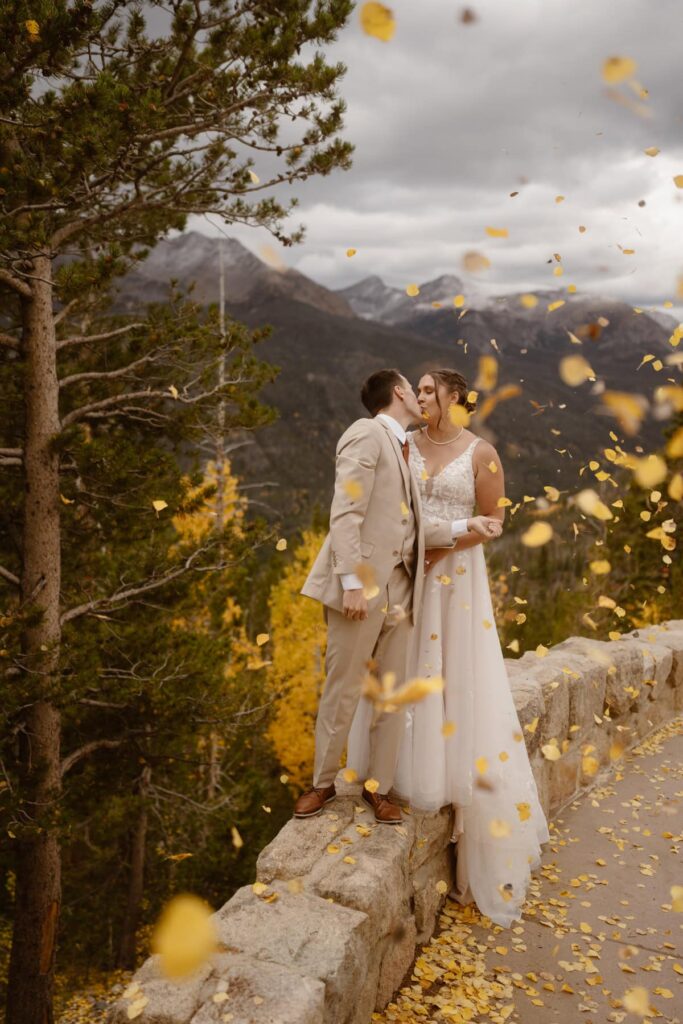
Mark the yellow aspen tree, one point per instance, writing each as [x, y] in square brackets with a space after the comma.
[298, 640]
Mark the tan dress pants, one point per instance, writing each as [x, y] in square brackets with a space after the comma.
[382, 638]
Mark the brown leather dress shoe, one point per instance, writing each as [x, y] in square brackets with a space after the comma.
[313, 801]
[386, 813]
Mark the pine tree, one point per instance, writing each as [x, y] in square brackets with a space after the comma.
[111, 133]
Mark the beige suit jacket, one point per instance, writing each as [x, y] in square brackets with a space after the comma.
[369, 519]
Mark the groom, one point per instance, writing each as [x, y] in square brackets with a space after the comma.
[369, 576]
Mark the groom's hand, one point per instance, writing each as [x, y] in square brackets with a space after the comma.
[355, 605]
[486, 526]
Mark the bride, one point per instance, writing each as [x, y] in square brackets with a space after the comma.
[464, 746]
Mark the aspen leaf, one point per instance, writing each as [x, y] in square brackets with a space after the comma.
[551, 751]
[447, 729]
[499, 829]
[617, 69]
[652, 151]
[441, 887]
[378, 21]
[262, 639]
[524, 811]
[353, 489]
[600, 567]
[351, 252]
[281, 544]
[412, 290]
[574, 370]
[637, 1000]
[254, 177]
[528, 300]
[474, 262]
[237, 840]
[372, 785]
[185, 936]
[537, 535]
[173, 390]
[497, 232]
[589, 502]
[552, 306]
[159, 505]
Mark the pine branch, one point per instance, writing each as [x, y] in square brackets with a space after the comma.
[9, 576]
[83, 339]
[7, 341]
[109, 603]
[76, 378]
[85, 751]
[15, 283]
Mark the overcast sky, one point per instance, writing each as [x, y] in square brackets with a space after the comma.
[448, 118]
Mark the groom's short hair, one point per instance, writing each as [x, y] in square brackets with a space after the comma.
[378, 390]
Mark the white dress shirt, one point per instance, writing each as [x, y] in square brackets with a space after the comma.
[349, 580]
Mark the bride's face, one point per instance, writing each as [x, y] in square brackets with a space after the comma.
[434, 401]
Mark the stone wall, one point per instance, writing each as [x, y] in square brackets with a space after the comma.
[330, 932]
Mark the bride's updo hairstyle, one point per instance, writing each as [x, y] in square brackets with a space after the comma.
[455, 384]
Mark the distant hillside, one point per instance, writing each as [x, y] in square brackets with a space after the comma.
[324, 352]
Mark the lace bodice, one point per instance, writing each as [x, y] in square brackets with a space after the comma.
[450, 494]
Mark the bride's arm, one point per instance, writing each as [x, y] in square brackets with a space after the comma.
[489, 484]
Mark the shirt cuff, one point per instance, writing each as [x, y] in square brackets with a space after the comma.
[458, 528]
[350, 581]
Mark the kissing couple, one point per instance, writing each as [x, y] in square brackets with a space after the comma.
[404, 503]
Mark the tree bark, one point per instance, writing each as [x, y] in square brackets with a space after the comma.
[38, 867]
[138, 847]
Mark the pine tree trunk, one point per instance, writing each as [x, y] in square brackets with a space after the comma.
[127, 945]
[38, 868]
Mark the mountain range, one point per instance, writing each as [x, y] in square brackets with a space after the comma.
[326, 342]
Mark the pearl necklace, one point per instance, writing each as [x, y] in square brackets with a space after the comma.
[450, 441]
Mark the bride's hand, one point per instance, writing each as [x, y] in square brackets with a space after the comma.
[486, 526]
[435, 555]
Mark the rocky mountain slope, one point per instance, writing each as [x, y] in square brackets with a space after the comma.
[325, 343]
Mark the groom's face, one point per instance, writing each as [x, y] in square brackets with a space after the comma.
[410, 401]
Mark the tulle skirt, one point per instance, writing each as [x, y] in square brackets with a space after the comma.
[465, 746]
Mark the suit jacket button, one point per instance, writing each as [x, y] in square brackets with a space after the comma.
[404, 521]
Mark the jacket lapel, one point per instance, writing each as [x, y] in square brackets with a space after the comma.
[405, 470]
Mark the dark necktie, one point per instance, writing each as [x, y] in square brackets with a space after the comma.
[405, 448]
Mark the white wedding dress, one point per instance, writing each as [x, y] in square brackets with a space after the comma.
[465, 746]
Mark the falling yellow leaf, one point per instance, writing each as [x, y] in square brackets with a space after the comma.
[378, 21]
[447, 729]
[237, 840]
[254, 177]
[497, 232]
[159, 505]
[617, 69]
[524, 811]
[487, 375]
[458, 415]
[281, 545]
[262, 639]
[473, 262]
[541, 651]
[482, 765]
[528, 300]
[32, 27]
[552, 493]
[637, 1000]
[174, 391]
[674, 447]
[600, 567]
[349, 859]
[537, 535]
[372, 785]
[333, 848]
[678, 181]
[628, 409]
[552, 306]
[499, 829]
[353, 489]
[589, 503]
[351, 252]
[412, 290]
[551, 751]
[66, 501]
[349, 775]
[185, 936]
[574, 370]
[559, 199]
[652, 151]
[459, 301]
